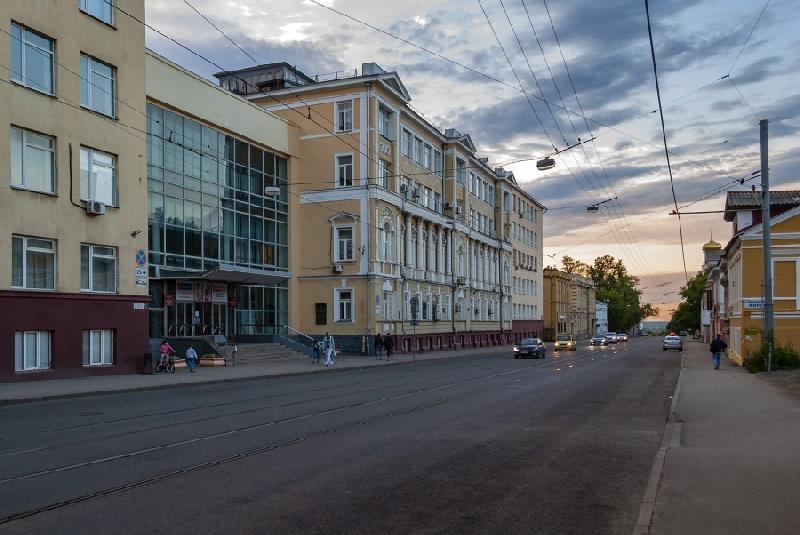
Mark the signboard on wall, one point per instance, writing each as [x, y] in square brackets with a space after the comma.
[202, 292]
[184, 292]
[219, 293]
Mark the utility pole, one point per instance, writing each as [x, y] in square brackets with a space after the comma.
[769, 312]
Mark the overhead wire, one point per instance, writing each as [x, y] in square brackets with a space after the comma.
[664, 135]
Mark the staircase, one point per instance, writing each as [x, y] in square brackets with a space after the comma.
[264, 353]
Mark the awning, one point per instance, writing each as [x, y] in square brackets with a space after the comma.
[227, 273]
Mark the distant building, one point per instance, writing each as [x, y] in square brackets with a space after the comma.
[601, 317]
[582, 311]
[556, 303]
[710, 313]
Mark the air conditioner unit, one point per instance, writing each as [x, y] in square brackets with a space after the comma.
[461, 281]
[458, 210]
[336, 268]
[272, 191]
[448, 205]
[95, 208]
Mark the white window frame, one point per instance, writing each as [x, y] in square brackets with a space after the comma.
[344, 115]
[427, 156]
[21, 78]
[19, 176]
[91, 87]
[25, 249]
[383, 173]
[20, 342]
[338, 311]
[461, 170]
[104, 356]
[407, 143]
[342, 168]
[89, 190]
[94, 252]
[86, 7]
[339, 242]
[384, 121]
[418, 148]
[437, 162]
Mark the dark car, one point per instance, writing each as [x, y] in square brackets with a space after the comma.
[598, 341]
[529, 348]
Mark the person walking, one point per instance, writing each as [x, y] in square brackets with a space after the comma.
[717, 347]
[378, 346]
[330, 357]
[191, 358]
[388, 345]
[316, 352]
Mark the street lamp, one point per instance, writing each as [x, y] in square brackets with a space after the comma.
[596, 206]
[545, 163]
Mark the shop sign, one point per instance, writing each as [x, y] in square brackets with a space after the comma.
[219, 292]
[184, 292]
[169, 300]
[753, 304]
[202, 292]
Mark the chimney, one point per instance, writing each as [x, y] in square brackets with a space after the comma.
[369, 69]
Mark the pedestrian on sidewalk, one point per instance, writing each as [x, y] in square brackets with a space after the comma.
[388, 345]
[316, 352]
[717, 347]
[378, 346]
[330, 356]
[191, 358]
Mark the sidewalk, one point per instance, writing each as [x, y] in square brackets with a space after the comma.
[731, 462]
[11, 393]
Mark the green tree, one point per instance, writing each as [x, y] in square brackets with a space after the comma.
[687, 316]
[615, 286]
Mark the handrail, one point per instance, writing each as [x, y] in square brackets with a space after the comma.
[304, 335]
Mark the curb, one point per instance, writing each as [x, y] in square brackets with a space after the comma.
[670, 439]
[174, 386]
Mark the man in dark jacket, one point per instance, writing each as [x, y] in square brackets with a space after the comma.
[388, 345]
[717, 347]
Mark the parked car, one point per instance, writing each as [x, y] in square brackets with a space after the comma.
[565, 341]
[683, 333]
[673, 342]
[598, 341]
[622, 337]
[611, 337]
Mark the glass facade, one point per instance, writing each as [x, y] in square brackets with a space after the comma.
[207, 207]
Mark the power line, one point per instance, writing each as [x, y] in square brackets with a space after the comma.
[225, 35]
[749, 35]
[664, 134]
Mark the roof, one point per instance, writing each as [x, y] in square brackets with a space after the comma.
[739, 200]
[712, 246]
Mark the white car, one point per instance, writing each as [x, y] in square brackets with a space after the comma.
[622, 337]
[611, 337]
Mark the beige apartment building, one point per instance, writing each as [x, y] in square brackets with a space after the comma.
[521, 221]
[73, 283]
[396, 220]
[557, 297]
[582, 308]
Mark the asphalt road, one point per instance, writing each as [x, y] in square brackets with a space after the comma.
[479, 444]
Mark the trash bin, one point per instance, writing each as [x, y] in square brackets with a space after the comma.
[147, 364]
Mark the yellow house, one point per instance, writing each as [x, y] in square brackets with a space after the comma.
[743, 276]
[557, 298]
[394, 221]
[73, 223]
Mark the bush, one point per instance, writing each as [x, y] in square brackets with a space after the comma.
[783, 357]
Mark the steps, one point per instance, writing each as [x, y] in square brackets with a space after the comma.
[263, 353]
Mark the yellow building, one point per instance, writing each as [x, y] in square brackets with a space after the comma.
[743, 262]
[73, 280]
[557, 297]
[396, 219]
[582, 308]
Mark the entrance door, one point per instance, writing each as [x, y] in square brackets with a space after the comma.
[183, 319]
[219, 319]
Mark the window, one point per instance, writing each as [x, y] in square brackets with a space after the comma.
[344, 244]
[33, 161]
[33, 262]
[344, 116]
[407, 143]
[344, 304]
[427, 193]
[321, 313]
[418, 150]
[383, 173]
[31, 59]
[461, 171]
[99, 9]
[437, 162]
[384, 121]
[427, 156]
[98, 268]
[98, 176]
[31, 350]
[437, 201]
[98, 347]
[344, 170]
[388, 243]
[97, 86]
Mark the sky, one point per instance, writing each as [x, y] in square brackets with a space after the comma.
[530, 93]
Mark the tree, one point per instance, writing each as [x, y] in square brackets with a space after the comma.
[615, 286]
[687, 316]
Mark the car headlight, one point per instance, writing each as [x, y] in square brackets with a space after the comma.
[516, 348]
